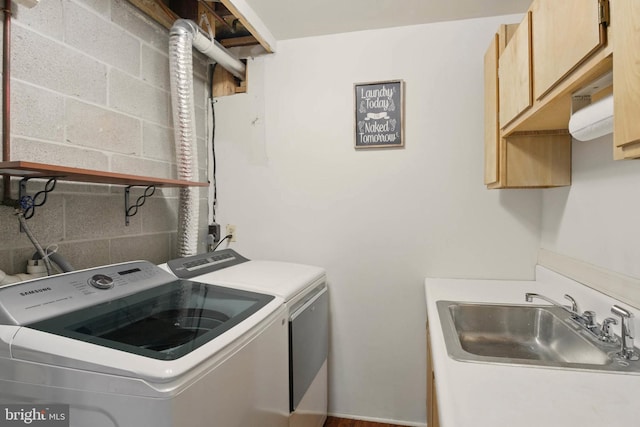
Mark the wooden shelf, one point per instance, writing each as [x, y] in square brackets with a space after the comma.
[64, 173]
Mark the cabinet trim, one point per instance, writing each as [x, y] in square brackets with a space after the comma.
[491, 113]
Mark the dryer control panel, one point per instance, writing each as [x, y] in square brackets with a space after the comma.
[35, 300]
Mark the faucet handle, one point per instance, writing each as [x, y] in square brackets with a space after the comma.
[606, 331]
[590, 320]
[627, 334]
[619, 311]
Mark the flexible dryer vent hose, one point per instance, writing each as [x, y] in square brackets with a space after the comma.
[184, 35]
[181, 76]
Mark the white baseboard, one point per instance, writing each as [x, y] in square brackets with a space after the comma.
[378, 420]
[616, 285]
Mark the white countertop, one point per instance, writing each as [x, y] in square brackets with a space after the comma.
[490, 395]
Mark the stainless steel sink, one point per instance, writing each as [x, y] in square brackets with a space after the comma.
[525, 335]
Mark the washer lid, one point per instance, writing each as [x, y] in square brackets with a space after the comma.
[160, 376]
[165, 322]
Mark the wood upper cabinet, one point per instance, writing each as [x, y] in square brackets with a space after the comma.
[564, 34]
[559, 49]
[528, 160]
[625, 17]
[572, 46]
[515, 84]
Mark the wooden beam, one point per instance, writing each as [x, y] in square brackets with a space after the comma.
[239, 41]
[213, 15]
[162, 15]
[224, 83]
[262, 39]
[166, 18]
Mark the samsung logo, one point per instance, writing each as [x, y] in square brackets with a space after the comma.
[35, 291]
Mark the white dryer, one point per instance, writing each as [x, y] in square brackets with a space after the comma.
[129, 345]
[304, 290]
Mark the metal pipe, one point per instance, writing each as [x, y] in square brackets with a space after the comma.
[209, 47]
[36, 244]
[6, 97]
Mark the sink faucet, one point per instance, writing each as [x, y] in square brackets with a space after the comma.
[627, 332]
[586, 319]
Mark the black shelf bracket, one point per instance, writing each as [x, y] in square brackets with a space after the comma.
[132, 209]
[28, 204]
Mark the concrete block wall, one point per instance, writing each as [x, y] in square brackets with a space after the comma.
[90, 89]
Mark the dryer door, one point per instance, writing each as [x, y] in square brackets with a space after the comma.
[308, 342]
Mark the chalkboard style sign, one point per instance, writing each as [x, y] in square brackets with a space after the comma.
[379, 114]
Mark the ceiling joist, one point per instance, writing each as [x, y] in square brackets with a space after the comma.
[231, 19]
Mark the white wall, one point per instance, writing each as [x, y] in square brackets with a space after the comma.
[378, 221]
[596, 219]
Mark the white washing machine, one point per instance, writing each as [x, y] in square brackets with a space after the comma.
[304, 290]
[129, 345]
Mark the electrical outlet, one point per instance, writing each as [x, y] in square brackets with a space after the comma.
[231, 229]
[214, 230]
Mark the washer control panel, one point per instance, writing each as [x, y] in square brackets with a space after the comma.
[196, 265]
[35, 300]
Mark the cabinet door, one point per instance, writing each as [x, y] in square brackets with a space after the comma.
[626, 76]
[565, 33]
[491, 129]
[515, 90]
[433, 418]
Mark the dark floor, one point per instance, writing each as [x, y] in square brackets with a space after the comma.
[343, 422]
